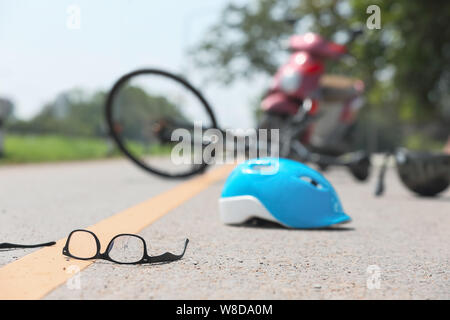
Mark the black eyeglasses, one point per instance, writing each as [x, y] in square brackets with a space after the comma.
[122, 249]
[6, 245]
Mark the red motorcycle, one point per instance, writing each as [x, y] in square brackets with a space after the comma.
[316, 113]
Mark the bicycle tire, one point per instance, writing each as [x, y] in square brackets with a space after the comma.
[121, 145]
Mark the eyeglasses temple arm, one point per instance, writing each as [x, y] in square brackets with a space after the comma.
[18, 246]
[166, 257]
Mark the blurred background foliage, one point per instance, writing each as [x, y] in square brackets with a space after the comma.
[405, 64]
[73, 126]
[78, 113]
[72, 113]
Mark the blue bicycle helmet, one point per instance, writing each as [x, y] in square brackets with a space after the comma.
[280, 190]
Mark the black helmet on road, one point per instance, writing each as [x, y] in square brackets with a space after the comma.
[424, 173]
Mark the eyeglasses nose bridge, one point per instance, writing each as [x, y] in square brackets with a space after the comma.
[110, 246]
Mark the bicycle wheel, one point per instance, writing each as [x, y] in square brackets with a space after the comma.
[143, 111]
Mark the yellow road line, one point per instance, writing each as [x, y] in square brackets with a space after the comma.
[37, 274]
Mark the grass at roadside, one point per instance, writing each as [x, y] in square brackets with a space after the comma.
[50, 148]
[54, 148]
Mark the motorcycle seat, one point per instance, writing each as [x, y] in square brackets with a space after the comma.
[339, 88]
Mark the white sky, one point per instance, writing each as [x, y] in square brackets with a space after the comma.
[41, 57]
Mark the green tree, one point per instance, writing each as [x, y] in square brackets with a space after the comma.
[77, 113]
[136, 112]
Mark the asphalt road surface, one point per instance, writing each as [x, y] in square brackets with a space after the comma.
[396, 247]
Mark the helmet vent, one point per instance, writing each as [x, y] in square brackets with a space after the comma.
[260, 167]
[312, 182]
[263, 168]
